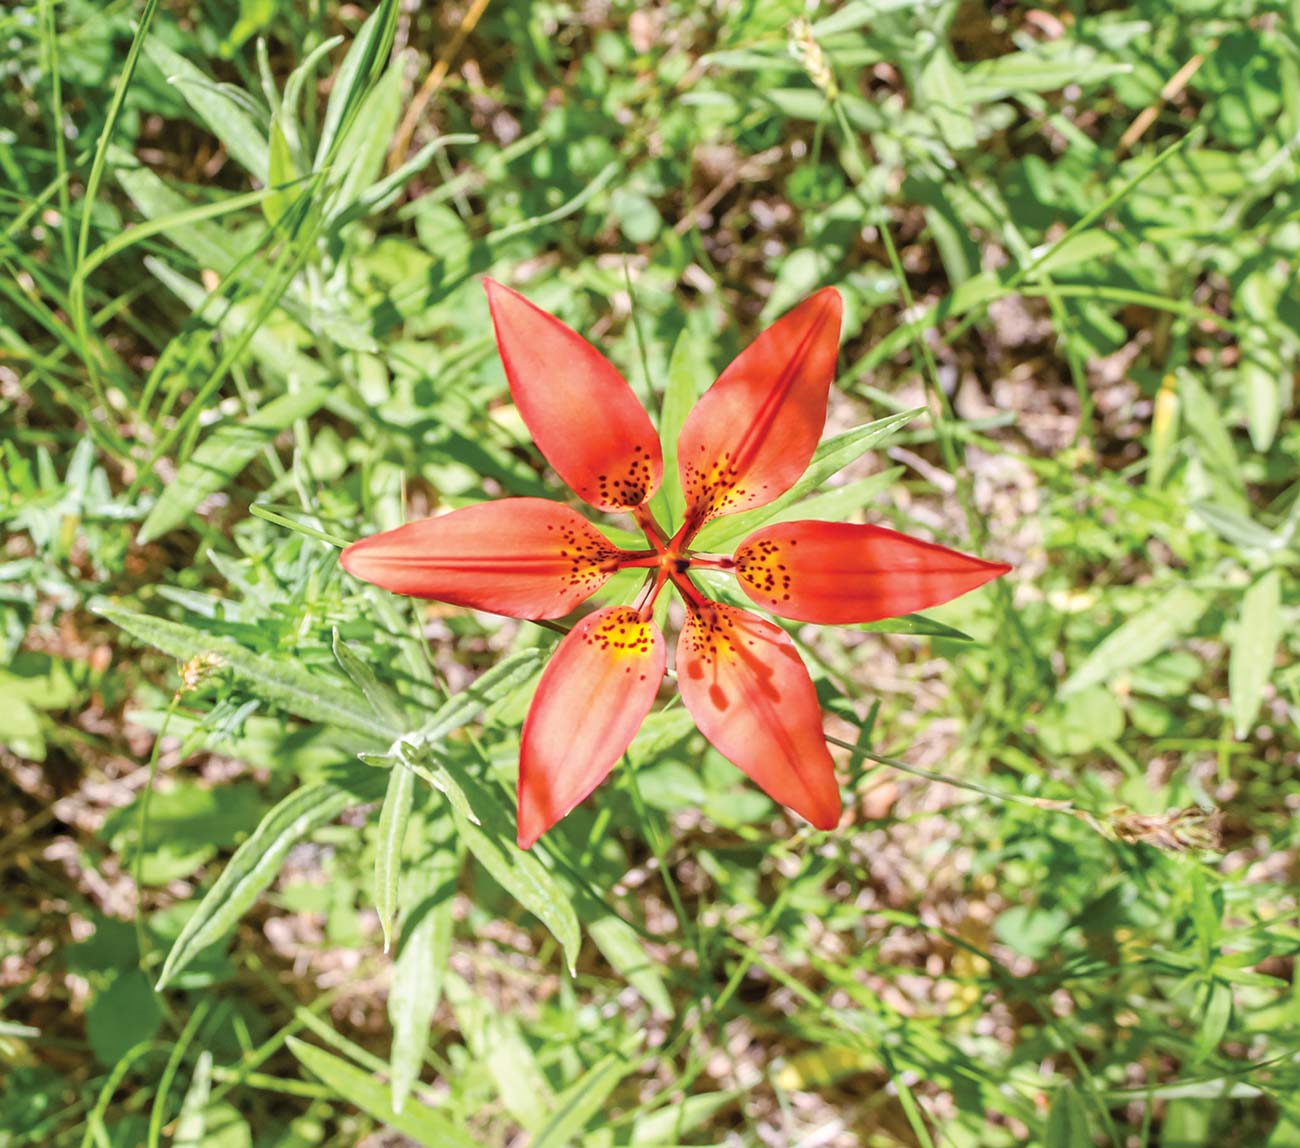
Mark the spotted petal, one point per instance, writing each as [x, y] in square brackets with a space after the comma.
[523, 557]
[595, 693]
[753, 433]
[580, 411]
[836, 573]
[747, 689]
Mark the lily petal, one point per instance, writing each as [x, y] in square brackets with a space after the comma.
[836, 573]
[753, 433]
[580, 411]
[522, 557]
[596, 691]
[748, 690]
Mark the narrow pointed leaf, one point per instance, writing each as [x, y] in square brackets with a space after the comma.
[496, 1040]
[191, 1124]
[680, 395]
[280, 175]
[386, 704]
[583, 1100]
[620, 944]
[1140, 638]
[365, 59]
[254, 866]
[422, 959]
[222, 455]
[219, 111]
[1254, 649]
[494, 684]
[670, 1123]
[393, 820]
[422, 1124]
[277, 681]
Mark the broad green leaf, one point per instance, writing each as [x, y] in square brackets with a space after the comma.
[422, 1124]
[222, 455]
[225, 116]
[225, 1127]
[583, 1100]
[1140, 638]
[393, 820]
[832, 456]
[1254, 649]
[1067, 1122]
[422, 959]
[188, 823]
[275, 680]
[122, 1013]
[253, 867]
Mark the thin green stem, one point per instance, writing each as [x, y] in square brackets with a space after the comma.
[142, 836]
[76, 293]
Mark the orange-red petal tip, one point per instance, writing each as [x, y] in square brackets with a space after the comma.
[748, 690]
[522, 557]
[753, 433]
[578, 407]
[595, 693]
[836, 573]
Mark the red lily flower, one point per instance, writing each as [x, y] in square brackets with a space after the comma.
[746, 442]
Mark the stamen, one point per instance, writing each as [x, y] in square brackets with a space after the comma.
[645, 608]
[654, 533]
[713, 561]
[686, 588]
